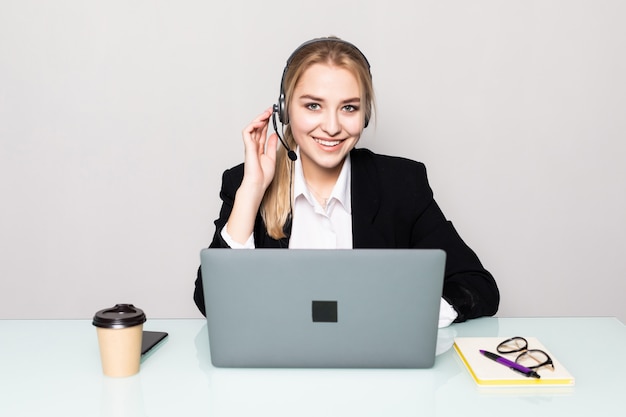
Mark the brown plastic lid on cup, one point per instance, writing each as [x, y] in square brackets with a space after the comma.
[119, 317]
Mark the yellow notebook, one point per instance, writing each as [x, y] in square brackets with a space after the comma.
[487, 372]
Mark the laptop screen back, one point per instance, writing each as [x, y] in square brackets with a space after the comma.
[301, 308]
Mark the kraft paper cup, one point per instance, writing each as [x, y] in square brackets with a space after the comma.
[120, 330]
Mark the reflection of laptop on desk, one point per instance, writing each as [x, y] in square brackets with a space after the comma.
[301, 308]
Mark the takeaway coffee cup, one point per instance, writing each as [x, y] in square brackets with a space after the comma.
[119, 336]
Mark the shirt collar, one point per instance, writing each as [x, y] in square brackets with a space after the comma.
[341, 190]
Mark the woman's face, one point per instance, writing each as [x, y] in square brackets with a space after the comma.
[326, 119]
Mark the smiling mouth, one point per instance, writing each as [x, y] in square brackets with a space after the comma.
[327, 142]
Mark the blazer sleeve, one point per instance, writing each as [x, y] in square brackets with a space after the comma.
[231, 180]
[468, 286]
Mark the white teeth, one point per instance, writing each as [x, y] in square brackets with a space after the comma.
[328, 142]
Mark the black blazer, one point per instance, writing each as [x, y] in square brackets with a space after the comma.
[392, 207]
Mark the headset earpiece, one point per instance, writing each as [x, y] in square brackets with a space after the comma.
[281, 109]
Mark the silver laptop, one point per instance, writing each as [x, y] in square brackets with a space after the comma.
[316, 308]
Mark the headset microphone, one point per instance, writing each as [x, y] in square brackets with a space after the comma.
[290, 153]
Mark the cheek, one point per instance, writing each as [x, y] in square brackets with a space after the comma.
[354, 126]
[303, 123]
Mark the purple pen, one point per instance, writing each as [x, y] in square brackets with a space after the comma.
[510, 364]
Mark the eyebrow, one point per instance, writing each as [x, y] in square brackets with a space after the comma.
[313, 98]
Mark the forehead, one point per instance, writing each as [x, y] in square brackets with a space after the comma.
[328, 80]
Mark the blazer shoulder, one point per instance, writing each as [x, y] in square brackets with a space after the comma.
[232, 177]
[234, 172]
[394, 165]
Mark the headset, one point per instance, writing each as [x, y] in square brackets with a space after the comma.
[281, 107]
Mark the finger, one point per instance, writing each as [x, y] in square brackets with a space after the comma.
[252, 132]
[263, 137]
[261, 119]
[265, 116]
[272, 142]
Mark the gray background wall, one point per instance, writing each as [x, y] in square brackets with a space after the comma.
[118, 117]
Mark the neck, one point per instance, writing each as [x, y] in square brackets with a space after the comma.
[321, 183]
[321, 180]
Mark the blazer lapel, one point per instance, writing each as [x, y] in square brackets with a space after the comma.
[365, 198]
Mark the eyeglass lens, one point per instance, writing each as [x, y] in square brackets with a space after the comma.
[512, 345]
[529, 358]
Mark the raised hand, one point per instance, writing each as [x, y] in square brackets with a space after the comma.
[260, 153]
[259, 168]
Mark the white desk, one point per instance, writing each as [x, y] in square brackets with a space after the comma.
[52, 368]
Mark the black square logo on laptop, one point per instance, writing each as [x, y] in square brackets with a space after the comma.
[324, 311]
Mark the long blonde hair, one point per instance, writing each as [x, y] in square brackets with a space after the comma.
[276, 204]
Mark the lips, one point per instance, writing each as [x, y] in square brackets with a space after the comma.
[327, 142]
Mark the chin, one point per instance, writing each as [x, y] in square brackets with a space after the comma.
[330, 162]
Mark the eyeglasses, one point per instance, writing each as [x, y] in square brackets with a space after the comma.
[529, 358]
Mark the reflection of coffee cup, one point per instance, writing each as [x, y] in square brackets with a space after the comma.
[122, 397]
[119, 336]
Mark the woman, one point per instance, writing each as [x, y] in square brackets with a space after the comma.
[319, 191]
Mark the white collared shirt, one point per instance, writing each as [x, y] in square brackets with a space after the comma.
[313, 226]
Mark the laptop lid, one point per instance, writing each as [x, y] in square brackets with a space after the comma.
[320, 308]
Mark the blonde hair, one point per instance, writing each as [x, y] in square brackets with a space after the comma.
[276, 204]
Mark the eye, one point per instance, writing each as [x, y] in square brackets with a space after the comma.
[350, 108]
[313, 106]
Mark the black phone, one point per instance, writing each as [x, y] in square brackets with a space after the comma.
[150, 341]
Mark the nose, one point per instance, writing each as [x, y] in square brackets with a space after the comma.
[331, 124]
